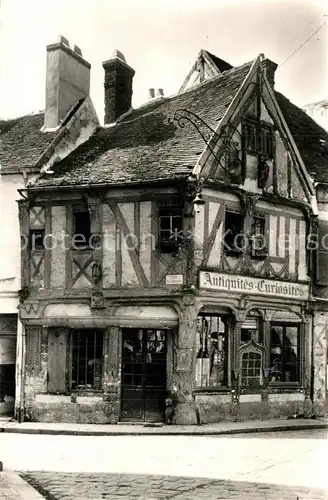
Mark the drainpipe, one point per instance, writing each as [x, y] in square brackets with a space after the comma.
[20, 370]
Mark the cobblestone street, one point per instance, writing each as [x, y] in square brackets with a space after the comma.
[62, 486]
[272, 465]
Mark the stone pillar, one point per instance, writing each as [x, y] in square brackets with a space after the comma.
[112, 373]
[319, 357]
[184, 361]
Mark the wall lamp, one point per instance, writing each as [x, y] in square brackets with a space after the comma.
[198, 202]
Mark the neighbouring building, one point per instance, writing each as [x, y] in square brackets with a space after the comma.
[30, 145]
[173, 251]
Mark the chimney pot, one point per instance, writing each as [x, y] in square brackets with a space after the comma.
[62, 39]
[151, 94]
[67, 81]
[160, 93]
[78, 50]
[118, 86]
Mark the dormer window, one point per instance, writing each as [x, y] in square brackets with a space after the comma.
[250, 136]
[258, 138]
[266, 143]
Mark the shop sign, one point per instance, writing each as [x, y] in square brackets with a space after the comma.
[174, 279]
[247, 285]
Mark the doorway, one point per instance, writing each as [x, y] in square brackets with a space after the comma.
[143, 375]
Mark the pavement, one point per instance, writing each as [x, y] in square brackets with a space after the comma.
[222, 428]
[13, 487]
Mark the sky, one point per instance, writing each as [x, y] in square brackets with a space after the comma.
[160, 40]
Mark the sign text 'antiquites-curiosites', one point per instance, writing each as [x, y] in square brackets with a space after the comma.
[248, 285]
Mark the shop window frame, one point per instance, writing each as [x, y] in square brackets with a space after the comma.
[300, 348]
[226, 385]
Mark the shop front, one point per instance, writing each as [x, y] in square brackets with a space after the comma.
[253, 348]
[98, 366]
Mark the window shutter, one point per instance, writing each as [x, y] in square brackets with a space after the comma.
[57, 359]
[33, 349]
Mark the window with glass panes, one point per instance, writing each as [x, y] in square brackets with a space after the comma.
[284, 353]
[170, 225]
[87, 356]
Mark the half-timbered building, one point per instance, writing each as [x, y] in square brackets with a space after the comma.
[29, 144]
[168, 259]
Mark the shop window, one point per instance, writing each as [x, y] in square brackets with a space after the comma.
[284, 353]
[233, 239]
[170, 228]
[81, 227]
[37, 239]
[257, 240]
[87, 354]
[212, 351]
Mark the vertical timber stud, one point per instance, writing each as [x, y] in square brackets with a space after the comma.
[111, 371]
[95, 209]
[68, 256]
[23, 211]
[48, 246]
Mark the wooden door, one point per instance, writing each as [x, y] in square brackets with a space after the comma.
[57, 360]
[143, 375]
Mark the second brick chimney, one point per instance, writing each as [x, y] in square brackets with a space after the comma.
[269, 68]
[118, 87]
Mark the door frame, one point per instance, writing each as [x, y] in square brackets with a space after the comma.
[170, 334]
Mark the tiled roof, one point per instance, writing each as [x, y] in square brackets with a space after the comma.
[21, 142]
[146, 145]
[311, 140]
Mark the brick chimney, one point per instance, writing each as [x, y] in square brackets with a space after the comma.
[118, 87]
[67, 81]
[269, 68]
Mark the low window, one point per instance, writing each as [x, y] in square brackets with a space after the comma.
[170, 227]
[82, 228]
[251, 369]
[37, 239]
[87, 354]
[212, 355]
[233, 232]
[284, 353]
[258, 237]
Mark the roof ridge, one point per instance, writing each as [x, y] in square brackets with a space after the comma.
[192, 89]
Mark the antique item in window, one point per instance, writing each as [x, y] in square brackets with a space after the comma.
[211, 361]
